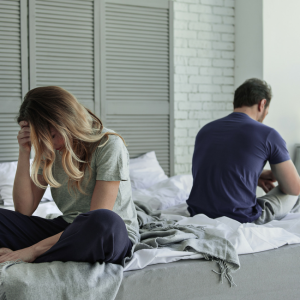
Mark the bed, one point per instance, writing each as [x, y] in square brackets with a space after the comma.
[269, 275]
[268, 268]
[269, 255]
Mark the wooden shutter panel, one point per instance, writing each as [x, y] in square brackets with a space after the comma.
[64, 47]
[137, 72]
[13, 73]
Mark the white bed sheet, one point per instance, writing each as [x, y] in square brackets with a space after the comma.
[246, 238]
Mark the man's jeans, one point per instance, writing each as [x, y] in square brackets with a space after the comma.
[276, 205]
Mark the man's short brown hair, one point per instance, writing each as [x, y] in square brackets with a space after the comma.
[251, 92]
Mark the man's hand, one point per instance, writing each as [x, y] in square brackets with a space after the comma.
[265, 180]
[26, 255]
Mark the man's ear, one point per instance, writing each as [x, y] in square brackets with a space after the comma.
[262, 104]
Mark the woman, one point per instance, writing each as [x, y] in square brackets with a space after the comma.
[86, 166]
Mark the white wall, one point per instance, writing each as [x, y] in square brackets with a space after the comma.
[221, 43]
[204, 70]
[268, 47]
[281, 67]
[248, 40]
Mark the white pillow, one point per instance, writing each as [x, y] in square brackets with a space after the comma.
[8, 172]
[172, 191]
[6, 195]
[145, 171]
[7, 177]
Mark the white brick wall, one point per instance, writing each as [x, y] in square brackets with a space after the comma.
[204, 70]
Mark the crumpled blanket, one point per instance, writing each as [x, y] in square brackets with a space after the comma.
[80, 280]
[157, 232]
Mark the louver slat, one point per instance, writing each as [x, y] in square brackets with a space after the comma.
[137, 77]
[13, 83]
[10, 48]
[150, 133]
[63, 42]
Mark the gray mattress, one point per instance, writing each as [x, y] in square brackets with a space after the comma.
[269, 275]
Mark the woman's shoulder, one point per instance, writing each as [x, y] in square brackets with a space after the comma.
[110, 143]
[111, 157]
[110, 139]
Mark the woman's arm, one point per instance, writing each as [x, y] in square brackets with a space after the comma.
[105, 194]
[31, 253]
[44, 245]
[26, 195]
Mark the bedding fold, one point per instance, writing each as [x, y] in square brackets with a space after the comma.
[157, 232]
[80, 280]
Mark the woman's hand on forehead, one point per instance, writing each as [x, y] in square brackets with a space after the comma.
[24, 124]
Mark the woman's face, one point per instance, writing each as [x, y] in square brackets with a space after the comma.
[57, 139]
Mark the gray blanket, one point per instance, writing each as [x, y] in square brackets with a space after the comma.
[157, 232]
[60, 280]
[73, 280]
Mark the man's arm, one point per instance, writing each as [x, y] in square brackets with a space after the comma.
[265, 180]
[287, 177]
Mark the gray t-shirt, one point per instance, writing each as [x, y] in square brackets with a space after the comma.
[108, 163]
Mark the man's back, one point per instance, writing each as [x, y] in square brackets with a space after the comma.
[229, 156]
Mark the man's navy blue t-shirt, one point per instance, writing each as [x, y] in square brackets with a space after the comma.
[229, 156]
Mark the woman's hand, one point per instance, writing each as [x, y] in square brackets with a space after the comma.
[266, 180]
[24, 139]
[31, 253]
[26, 255]
[4, 250]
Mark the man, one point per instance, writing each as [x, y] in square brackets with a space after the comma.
[229, 156]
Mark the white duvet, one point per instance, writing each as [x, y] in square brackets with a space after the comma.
[170, 195]
[246, 238]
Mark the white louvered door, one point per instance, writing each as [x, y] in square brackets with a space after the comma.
[64, 47]
[137, 75]
[119, 51]
[13, 73]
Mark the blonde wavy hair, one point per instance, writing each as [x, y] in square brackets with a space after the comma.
[81, 130]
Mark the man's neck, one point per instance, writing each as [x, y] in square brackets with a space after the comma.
[250, 111]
